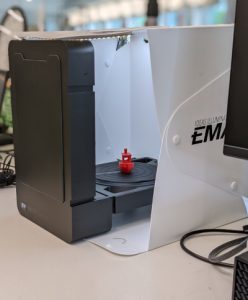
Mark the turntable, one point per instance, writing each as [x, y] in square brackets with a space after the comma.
[129, 190]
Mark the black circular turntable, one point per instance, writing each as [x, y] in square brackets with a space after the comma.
[143, 174]
[128, 191]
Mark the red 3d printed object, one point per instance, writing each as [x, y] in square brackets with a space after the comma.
[126, 165]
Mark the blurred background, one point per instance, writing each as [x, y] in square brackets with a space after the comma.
[53, 15]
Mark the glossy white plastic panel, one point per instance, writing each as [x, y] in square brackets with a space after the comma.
[129, 234]
[126, 115]
[145, 133]
[195, 144]
[184, 59]
[196, 186]
[112, 99]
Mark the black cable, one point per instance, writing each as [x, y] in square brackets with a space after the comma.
[7, 162]
[215, 257]
[236, 247]
[7, 151]
[7, 171]
[7, 178]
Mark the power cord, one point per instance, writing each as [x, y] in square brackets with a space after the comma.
[230, 248]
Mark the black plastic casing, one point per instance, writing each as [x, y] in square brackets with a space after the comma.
[54, 135]
[240, 280]
[236, 134]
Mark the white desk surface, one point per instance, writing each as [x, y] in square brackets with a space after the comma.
[35, 265]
